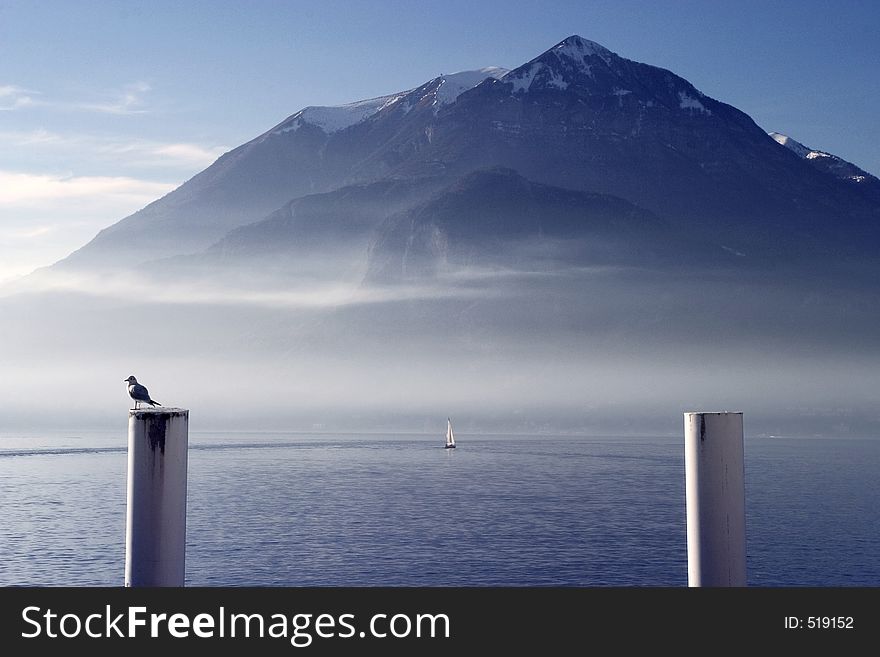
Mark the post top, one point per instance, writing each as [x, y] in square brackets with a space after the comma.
[161, 410]
[713, 413]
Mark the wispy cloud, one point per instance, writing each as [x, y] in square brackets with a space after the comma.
[330, 294]
[31, 233]
[13, 98]
[130, 100]
[150, 153]
[27, 189]
[121, 152]
[191, 153]
[29, 137]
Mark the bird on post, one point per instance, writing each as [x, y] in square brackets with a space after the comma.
[139, 393]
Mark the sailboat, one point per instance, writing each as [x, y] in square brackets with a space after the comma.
[450, 437]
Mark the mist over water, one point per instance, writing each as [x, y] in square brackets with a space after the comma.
[574, 349]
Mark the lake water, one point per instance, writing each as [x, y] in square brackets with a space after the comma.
[399, 510]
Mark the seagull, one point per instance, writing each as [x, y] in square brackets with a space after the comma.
[139, 393]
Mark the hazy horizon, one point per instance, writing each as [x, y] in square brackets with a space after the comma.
[619, 359]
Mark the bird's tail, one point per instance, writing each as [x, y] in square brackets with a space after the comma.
[153, 403]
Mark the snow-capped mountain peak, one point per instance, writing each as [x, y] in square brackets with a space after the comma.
[591, 69]
[579, 50]
[560, 66]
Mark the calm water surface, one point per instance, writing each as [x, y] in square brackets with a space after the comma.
[399, 510]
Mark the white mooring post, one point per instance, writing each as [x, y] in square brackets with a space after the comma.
[155, 523]
[715, 491]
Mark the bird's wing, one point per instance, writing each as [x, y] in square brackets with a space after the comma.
[137, 391]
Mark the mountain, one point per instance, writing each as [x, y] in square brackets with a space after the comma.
[578, 116]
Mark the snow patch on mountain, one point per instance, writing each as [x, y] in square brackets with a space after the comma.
[557, 81]
[686, 101]
[334, 118]
[802, 151]
[790, 144]
[522, 80]
[832, 164]
[455, 84]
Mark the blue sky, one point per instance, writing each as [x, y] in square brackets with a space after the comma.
[105, 106]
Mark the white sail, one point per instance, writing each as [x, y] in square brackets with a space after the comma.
[450, 437]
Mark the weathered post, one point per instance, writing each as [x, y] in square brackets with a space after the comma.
[155, 524]
[715, 491]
